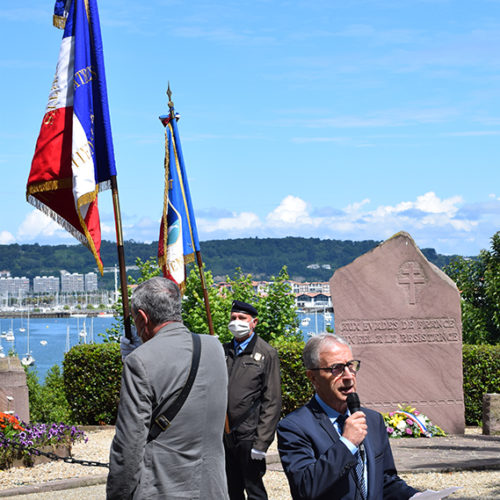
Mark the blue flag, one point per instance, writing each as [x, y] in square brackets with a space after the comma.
[178, 223]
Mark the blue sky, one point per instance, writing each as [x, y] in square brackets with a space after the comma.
[324, 118]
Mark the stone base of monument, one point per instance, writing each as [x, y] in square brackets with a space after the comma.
[14, 398]
[491, 414]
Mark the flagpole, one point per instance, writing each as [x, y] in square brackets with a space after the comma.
[121, 258]
[198, 253]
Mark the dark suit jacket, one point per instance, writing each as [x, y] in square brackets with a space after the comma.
[320, 467]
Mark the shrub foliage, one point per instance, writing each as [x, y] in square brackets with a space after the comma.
[296, 389]
[481, 366]
[92, 375]
[47, 401]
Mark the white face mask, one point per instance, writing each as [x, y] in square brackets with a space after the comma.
[239, 328]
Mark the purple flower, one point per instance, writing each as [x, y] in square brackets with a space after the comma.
[390, 430]
[408, 431]
[409, 421]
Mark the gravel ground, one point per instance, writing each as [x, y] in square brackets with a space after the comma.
[476, 485]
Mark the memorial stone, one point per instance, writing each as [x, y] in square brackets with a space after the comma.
[14, 396]
[401, 315]
[491, 414]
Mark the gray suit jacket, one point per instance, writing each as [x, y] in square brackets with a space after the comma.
[187, 459]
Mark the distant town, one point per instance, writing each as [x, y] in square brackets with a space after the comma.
[71, 292]
[53, 294]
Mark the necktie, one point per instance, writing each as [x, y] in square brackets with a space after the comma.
[360, 466]
[340, 422]
[360, 469]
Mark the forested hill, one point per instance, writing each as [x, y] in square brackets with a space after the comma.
[307, 259]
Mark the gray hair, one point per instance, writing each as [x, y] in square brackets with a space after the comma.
[159, 298]
[312, 350]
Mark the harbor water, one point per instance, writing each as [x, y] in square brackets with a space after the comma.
[49, 338]
[311, 323]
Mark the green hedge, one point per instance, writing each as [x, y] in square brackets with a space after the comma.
[481, 367]
[92, 376]
[296, 389]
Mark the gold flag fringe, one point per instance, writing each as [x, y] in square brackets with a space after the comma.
[59, 21]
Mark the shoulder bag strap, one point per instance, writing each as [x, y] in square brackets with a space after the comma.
[162, 422]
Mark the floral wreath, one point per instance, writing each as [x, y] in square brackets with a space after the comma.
[409, 422]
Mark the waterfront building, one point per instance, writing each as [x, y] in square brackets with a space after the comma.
[14, 286]
[46, 284]
[91, 282]
[310, 287]
[313, 301]
[72, 282]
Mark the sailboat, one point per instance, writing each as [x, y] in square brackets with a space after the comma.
[28, 359]
[328, 318]
[21, 328]
[67, 338]
[83, 333]
[91, 330]
[9, 337]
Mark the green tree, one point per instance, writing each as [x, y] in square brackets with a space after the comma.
[479, 283]
[147, 269]
[277, 311]
[276, 305]
[193, 306]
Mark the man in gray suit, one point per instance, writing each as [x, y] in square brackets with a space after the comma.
[187, 459]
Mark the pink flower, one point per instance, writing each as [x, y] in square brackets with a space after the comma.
[409, 421]
[416, 412]
[390, 430]
[408, 431]
[391, 414]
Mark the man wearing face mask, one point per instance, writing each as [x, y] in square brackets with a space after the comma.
[254, 404]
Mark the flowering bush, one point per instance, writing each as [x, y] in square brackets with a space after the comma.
[15, 434]
[409, 422]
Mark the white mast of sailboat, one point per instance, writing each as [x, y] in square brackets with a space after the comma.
[28, 359]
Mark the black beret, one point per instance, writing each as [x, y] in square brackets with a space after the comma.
[243, 307]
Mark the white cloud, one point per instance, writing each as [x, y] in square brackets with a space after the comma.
[245, 221]
[6, 238]
[292, 210]
[429, 219]
[447, 224]
[38, 225]
[429, 202]
[355, 207]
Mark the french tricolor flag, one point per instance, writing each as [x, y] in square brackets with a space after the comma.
[74, 156]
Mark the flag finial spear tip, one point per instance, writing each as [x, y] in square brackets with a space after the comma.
[170, 103]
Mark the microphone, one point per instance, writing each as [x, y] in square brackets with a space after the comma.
[354, 405]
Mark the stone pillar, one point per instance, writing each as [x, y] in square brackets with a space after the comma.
[14, 396]
[491, 414]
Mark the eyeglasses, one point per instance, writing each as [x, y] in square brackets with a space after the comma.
[338, 368]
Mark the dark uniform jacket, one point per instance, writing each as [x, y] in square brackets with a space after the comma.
[254, 376]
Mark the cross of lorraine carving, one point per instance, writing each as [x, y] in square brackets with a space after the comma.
[411, 274]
